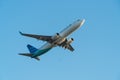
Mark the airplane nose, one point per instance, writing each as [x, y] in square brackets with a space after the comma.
[82, 22]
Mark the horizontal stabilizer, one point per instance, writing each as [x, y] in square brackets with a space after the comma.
[29, 55]
[26, 54]
[37, 58]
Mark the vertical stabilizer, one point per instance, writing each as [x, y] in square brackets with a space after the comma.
[31, 48]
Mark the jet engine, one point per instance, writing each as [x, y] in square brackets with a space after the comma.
[67, 43]
[70, 41]
[57, 35]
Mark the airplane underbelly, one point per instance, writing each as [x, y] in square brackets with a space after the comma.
[59, 41]
[41, 52]
[47, 45]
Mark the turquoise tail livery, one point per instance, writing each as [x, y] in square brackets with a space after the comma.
[31, 48]
[34, 52]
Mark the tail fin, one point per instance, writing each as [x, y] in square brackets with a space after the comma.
[29, 55]
[32, 51]
[31, 48]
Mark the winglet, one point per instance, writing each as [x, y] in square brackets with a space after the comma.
[20, 32]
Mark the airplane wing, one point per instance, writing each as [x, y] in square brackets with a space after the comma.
[39, 37]
[70, 48]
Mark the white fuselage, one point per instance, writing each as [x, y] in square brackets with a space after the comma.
[64, 33]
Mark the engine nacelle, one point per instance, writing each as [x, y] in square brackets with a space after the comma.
[57, 35]
[67, 43]
[70, 41]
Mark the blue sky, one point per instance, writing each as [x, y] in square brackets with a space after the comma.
[96, 43]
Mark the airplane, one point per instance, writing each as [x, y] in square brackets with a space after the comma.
[59, 39]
